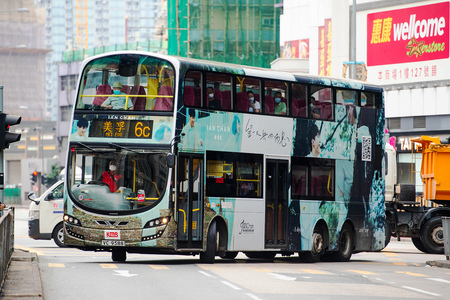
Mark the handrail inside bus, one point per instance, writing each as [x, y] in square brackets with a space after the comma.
[329, 180]
[185, 221]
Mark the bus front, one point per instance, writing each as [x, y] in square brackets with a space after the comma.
[117, 181]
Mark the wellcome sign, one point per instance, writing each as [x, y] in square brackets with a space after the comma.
[408, 35]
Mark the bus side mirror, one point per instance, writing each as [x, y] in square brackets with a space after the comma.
[170, 160]
[32, 197]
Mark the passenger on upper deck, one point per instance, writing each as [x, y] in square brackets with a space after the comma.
[213, 102]
[253, 106]
[116, 102]
[315, 110]
[280, 107]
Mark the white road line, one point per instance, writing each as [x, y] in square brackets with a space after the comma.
[420, 291]
[231, 285]
[282, 277]
[206, 274]
[253, 296]
[439, 280]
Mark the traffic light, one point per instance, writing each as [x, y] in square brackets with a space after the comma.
[34, 176]
[6, 137]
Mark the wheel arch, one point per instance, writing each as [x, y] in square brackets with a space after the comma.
[222, 230]
[434, 212]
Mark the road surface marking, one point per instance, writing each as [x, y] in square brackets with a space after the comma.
[439, 280]
[420, 291]
[412, 274]
[231, 285]
[282, 277]
[312, 271]
[206, 274]
[362, 272]
[390, 254]
[53, 265]
[124, 273]
[260, 269]
[157, 267]
[108, 266]
[253, 296]
[399, 263]
[38, 252]
[209, 268]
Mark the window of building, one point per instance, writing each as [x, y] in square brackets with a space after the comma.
[419, 122]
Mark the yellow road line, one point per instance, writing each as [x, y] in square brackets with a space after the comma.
[34, 250]
[208, 268]
[108, 266]
[411, 274]
[260, 269]
[362, 272]
[390, 254]
[157, 267]
[53, 265]
[399, 264]
[312, 271]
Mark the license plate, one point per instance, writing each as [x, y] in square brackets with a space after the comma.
[113, 243]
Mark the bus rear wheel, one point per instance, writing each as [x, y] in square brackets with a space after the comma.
[417, 242]
[119, 254]
[346, 244]
[318, 246]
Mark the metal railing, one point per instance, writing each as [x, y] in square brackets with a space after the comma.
[6, 241]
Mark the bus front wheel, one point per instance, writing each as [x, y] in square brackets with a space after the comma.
[211, 245]
[119, 254]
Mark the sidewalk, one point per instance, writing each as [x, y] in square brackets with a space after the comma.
[23, 279]
[439, 263]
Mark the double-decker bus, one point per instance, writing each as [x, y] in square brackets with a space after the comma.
[183, 156]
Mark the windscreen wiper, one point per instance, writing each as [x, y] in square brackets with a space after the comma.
[122, 147]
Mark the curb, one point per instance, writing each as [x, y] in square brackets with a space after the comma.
[439, 263]
[23, 278]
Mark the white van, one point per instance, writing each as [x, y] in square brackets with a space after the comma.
[45, 216]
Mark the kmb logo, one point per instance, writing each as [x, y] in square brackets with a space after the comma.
[110, 234]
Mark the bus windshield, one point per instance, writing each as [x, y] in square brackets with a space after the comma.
[127, 82]
[117, 178]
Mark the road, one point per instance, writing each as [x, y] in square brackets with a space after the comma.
[398, 272]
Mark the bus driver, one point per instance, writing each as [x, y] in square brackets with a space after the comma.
[111, 178]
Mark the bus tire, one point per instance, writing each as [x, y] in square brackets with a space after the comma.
[318, 247]
[417, 242]
[346, 244]
[58, 235]
[209, 255]
[387, 232]
[433, 236]
[119, 254]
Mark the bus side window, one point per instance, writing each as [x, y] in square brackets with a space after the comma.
[298, 100]
[276, 97]
[218, 84]
[244, 87]
[193, 89]
[321, 103]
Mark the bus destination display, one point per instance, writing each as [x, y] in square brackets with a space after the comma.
[133, 129]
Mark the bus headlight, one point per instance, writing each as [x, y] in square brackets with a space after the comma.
[72, 220]
[157, 222]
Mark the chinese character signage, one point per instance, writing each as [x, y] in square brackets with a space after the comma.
[408, 35]
[325, 49]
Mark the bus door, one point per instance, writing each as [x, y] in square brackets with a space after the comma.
[276, 203]
[190, 201]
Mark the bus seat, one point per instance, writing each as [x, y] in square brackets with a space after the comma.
[197, 97]
[226, 99]
[102, 89]
[269, 104]
[188, 96]
[126, 89]
[316, 186]
[295, 107]
[301, 186]
[218, 95]
[325, 111]
[164, 103]
[242, 101]
[138, 102]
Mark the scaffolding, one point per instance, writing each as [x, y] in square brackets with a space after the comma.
[237, 31]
